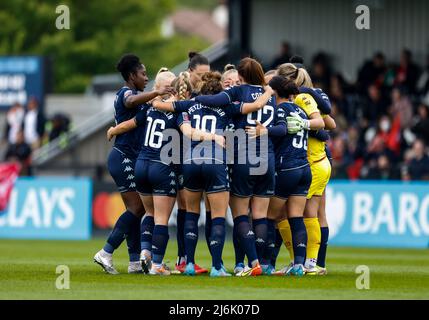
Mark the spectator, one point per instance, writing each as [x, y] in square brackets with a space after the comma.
[407, 74]
[34, 124]
[418, 167]
[60, 124]
[421, 126]
[14, 119]
[383, 170]
[401, 108]
[321, 71]
[386, 139]
[20, 152]
[375, 105]
[283, 57]
[372, 72]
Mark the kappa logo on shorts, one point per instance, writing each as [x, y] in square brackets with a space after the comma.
[213, 242]
[126, 160]
[172, 191]
[147, 233]
[219, 187]
[172, 183]
[272, 245]
[130, 177]
[260, 240]
[132, 185]
[301, 245]
[154, 247]
[171, 174]
[128, 169]
[250, 233]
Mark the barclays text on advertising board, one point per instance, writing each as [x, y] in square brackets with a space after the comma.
[378, 214]
[48, 208]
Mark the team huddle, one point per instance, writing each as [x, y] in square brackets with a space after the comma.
[246, 140]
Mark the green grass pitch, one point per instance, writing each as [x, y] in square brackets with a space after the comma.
[27, 271]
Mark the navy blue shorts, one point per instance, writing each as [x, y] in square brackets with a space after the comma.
[210, 178]
[246, 184]
[293, 182]
[155, 178]
[121, 168]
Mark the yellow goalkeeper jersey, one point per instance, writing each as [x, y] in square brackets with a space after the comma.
[316, 148]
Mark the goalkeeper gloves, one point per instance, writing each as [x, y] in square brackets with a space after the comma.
[295, 124]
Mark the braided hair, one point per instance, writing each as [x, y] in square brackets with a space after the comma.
[182, 84]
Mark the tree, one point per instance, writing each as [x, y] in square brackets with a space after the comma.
[100, 32]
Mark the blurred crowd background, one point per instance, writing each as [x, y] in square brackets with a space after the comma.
[382, 118]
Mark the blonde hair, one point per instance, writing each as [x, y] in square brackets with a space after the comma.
[227, 70]
[182, 84]
[299, 75]
[164, 75]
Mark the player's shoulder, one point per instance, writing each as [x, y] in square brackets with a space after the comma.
[306, 102]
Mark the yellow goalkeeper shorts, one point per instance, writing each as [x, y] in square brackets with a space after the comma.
[321, 172]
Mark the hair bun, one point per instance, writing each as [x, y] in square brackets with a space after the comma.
[296, 59]
[192, 54]
[228, 67]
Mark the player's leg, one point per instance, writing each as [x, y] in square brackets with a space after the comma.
[293, 185]
[263, 190]
[241, 191]
[208, 222]
[259, 207]
[128, 223]
[295, 208]
[276, 213]
[320, 173]
[216, 187]
[147, 228]
[163, 206]
[192, 199]
[219, 206]
[181, 215]
[324, 231]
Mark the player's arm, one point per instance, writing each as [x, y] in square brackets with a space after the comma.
[321, 135]
[222, 99]
[172, 105]
[134, 100]
[199, 135]
[258, 103]
[329, 122]
[121, 128]
[279, 130]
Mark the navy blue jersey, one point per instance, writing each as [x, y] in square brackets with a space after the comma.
[155, 122]
[127, 142]
[209, 119]
[291, 150]
[245, 94]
